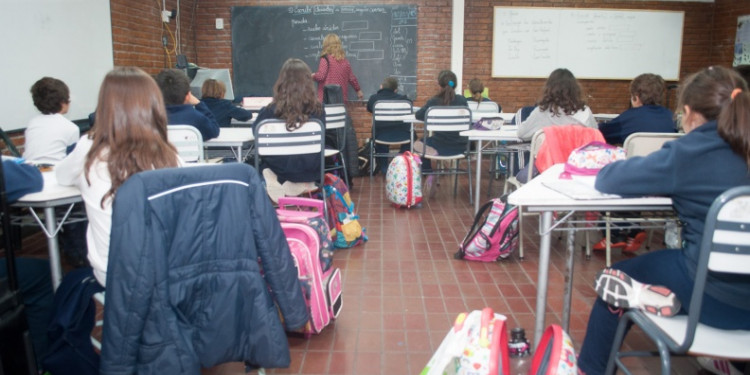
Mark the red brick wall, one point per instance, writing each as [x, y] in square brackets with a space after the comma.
[137, 33]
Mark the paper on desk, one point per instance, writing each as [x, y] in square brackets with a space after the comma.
[578, 187]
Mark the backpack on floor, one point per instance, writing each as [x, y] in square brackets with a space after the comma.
[555, 354]
[403, 181]
[494, 233]
[477, 344]
[309, 211]
[346, 231]
[322, 290]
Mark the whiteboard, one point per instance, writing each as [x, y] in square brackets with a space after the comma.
[591, 43]
[70, 40]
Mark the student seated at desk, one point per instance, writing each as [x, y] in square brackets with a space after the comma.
[182, 107]
[561, 104]
[389, 131]
[443, 143]
[50, 136]
[477, 90]
[130, 136]
[212, 95]
[646, 113]
[693, 170]
[295, 102]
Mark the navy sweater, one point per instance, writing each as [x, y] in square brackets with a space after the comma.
[446, 143]
[21, 179]
[199, 116]
[693, 170]
[390, 131]
[224, 111]
[647, 118]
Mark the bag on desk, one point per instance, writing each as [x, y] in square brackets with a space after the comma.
[494, 233]
[489, 123]
[589, 159]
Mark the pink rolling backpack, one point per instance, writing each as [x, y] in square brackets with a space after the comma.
[493, 235]
[312, 249]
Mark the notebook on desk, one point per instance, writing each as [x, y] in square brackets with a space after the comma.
[579, 188]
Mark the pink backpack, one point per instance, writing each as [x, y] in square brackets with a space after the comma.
[493, 235]
[322, 289]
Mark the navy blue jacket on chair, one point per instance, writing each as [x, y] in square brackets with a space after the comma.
[185, 288]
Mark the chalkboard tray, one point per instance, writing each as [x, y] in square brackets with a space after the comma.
[379, 40]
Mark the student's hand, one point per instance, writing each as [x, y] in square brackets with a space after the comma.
[192, 100]
[360, 95]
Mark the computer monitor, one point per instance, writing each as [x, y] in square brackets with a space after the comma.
[221, 75]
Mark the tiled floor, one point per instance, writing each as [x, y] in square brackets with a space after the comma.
[403, 289]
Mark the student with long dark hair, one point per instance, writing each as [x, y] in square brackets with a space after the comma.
[693, 170]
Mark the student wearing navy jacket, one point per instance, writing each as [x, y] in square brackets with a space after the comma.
[646, 113]
[693, 170]
[389, 131]
[212, 94]
[182, 107]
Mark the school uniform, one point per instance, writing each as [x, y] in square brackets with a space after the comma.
[49, 137]
[199, 116]
[389, 131]
[446, 143]
[693, 170]
[224, 111]
[647, 118]
[539, 119]
[294, 168]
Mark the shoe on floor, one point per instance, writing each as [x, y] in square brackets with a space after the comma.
[602, 245]
[717, 366]
[620, 290]
[634, 243]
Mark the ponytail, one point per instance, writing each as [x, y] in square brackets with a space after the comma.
[447, 81]
[734, 123]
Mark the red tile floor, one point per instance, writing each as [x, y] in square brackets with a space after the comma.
[403, 289]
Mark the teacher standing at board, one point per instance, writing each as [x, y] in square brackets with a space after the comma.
[334, 68]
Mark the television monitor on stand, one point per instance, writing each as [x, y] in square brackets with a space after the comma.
[221, 75]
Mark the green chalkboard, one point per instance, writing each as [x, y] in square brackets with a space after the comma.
[380, 41]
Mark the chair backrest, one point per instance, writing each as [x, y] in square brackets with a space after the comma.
[642, 144]
[484, 107]
[273, 139]
[536, 144]
[335, 116]
[188, 141]
[447, 118]
[560, 141]
[9, 146]
[725, 247]
[391, 110]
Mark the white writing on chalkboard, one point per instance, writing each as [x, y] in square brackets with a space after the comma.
[592, 43]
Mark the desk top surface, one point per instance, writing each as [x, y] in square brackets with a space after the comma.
[505, 133]
[232, 137]
[51, 193]
[536, 196]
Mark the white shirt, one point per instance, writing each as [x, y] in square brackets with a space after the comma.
[70, 172]
[48, 137]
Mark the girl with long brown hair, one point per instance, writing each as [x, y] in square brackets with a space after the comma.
[130, 136]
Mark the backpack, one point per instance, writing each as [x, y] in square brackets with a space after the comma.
[403, 181]
[590, 158]
[494, 233]
[342, 219]
[477, 344]
[555, 354]
[309, 211]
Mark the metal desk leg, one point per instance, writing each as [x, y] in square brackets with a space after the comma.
[568, 295]
[479, 175]
[54, 250]
[541, 285]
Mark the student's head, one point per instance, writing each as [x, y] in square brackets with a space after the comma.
[476, 87]
[647, 89]
[174, 85]
[744, 71]
[294, 94]
[562, 93]
[447, 82]
[213, 89]
[721, 94]
[332, 47]
[131, 127]
[50, 96]
[390, 83]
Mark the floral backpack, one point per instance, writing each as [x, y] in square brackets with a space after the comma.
[590, 158]
[403, 180]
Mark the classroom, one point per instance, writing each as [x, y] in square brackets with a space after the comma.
[402, 289]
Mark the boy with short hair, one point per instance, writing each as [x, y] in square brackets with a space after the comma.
[50, 136]
[389, 131]
[182, 107]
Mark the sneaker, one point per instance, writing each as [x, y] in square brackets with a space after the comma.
[634, 243]
[717, 366]
[602, 245]
[620, 290]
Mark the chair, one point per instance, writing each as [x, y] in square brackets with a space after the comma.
[637, 144]
[273, 139]
[448, 119]
[388, 111]
[188, 141]
[724, 249]
[484, 107]
[9, 145]
[336, 122]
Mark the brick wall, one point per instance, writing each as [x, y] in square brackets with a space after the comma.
[137, 37]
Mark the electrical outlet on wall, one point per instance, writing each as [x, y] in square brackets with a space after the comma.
[165, 15]
[219, 24]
